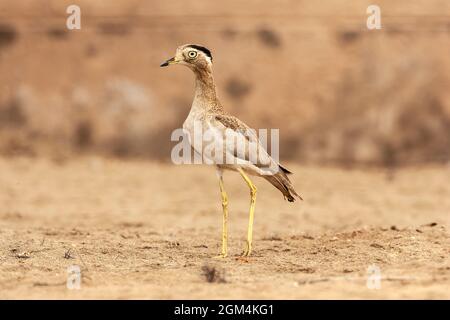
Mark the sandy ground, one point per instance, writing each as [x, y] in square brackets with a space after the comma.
[146, 230]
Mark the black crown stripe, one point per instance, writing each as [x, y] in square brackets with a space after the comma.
[202, 49]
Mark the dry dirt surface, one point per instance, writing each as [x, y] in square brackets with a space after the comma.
[147, 230]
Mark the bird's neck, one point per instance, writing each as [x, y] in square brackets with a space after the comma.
[205, 90]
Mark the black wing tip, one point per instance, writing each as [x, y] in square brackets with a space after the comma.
[284, 169]
[292, 199]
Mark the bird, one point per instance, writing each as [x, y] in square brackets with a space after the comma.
[208, 113]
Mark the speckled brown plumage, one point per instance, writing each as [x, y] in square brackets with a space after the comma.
[225, 131]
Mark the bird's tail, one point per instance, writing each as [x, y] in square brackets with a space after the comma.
[281, 181]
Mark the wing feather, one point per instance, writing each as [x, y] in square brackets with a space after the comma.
[239, 131]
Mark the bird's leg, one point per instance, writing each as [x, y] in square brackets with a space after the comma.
[252, 187]
[224, 196]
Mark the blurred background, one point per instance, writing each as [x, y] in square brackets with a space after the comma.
[340, 93]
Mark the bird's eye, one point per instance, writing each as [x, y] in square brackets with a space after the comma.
[192, 54]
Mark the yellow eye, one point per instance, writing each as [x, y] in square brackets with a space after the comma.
[192, 54]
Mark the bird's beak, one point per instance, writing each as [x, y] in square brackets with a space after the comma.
[168, 62]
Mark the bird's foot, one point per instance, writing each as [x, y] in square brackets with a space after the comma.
[247, 250]
[221, 256]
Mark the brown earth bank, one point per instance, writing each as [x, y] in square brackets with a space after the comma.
[338, 92]
[147, 230]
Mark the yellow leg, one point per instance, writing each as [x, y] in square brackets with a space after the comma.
[252, 187]
[224, 196]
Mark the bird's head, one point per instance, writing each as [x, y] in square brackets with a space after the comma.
[191, 55]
